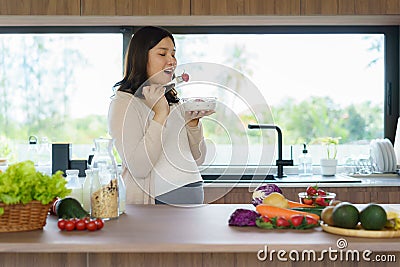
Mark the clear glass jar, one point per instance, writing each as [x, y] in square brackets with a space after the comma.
[94, 186]
[74, 184]
[104, 193]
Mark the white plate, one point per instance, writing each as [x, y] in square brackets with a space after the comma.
[392, 153]
[394, 156]
[384, 154]
[397, 143]
[382, 146]
[376, 155]
[389, 167]
[372, 154]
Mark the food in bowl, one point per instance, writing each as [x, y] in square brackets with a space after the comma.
[199, 103]
[317, 200]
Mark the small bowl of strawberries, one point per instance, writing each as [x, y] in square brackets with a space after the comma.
[199, 103]
[316, 196]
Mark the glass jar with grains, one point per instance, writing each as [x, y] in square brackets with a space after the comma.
[104, 191]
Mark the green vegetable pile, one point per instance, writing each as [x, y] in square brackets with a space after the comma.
[21, 183]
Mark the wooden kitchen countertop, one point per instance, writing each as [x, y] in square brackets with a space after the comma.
[161, 228]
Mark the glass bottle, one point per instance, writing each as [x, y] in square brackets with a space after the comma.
[44, 152]
[32, 153]
[86, 189]
[104, 193]
[305, 163]
[74, 184]
[44, 155]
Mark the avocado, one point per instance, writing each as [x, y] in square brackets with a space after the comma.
[373, 217]
[69, 207]
[345, 215]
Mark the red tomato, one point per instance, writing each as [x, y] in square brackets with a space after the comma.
[321, 192]
[80, 225]
[282, 222]
[99, 223]
[61, 224]
[311, 190]
[69, 225]
[91, 226]
[311, 221]
[297, 220]
[307, 201]
[74, 220]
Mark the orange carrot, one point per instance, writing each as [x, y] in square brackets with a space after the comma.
[294, 204]
[271, 212]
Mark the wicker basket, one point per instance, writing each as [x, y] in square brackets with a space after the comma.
[19, 217]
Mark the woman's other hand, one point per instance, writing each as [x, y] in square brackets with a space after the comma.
[155, 99]
[192, 117]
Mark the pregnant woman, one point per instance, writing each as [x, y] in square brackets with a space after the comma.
[160, 145]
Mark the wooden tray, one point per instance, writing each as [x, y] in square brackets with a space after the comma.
[360, 232]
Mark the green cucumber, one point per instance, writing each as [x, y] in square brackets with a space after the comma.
[315, 210]
[69, 207]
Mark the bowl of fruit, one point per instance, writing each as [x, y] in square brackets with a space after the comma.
[316, 196]
[199, 103]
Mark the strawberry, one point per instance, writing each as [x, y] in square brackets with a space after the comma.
[282, 222]
[321, 192]
[266, 219]
[311, 221]
[185, 77]
[321, 201]
[312, 190]
[296, 220]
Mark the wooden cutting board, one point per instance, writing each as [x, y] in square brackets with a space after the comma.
[360, 232]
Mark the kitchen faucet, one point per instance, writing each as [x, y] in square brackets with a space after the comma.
[279, 162]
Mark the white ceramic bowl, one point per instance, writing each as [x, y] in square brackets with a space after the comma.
[199, 103]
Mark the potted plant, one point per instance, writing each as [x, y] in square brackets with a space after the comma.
[328, 164]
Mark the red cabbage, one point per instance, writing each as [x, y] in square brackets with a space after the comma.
[243, 217]
[262, 191]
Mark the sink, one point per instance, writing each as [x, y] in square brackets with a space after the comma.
[338, 178]
[248, 178]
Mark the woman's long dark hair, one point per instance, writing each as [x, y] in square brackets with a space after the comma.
[135, 70]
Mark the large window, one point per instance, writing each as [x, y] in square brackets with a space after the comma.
[57, 85]
[314, 85]
[314, 81]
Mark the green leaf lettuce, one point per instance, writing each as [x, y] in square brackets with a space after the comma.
[21, 183]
